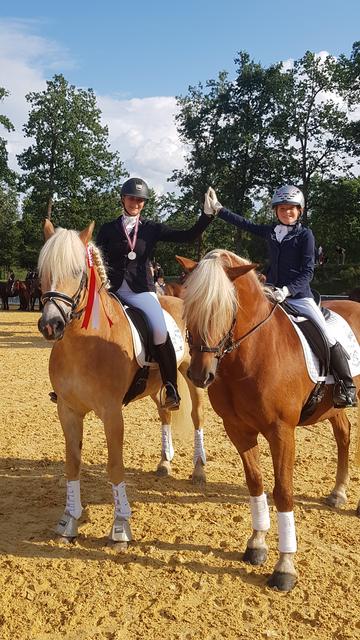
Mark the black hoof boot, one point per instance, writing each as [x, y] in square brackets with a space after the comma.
[255, 556]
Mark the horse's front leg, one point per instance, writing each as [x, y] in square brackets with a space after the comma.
[246, 444]
[120, 532]
[72, 425]
[256, 548]
[282, 445]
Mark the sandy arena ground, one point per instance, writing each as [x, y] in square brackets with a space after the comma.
[183, 577]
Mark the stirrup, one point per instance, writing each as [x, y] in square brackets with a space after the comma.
[171, 401]
[344, 396]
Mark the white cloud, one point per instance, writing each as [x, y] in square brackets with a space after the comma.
[142, 130]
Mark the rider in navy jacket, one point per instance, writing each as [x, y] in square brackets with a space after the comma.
[292, 260]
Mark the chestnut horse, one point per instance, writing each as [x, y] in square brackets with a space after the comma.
[244, 349]
[92, 365]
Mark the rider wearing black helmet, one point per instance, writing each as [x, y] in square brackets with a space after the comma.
[128, 245]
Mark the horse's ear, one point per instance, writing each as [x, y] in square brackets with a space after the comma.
[186, 263]
[236, 272]
[48, 229]
[86, 234]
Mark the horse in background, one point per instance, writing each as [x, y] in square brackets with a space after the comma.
[35, 293]
[355, 294]
[92, 365]
[175, 289]
[245, 350]
[21, 290]
[7, 290]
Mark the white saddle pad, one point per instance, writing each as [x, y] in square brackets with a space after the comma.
[174, 333]
[341, 331]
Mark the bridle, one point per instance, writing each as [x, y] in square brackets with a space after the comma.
[227, 343]
[71, 301]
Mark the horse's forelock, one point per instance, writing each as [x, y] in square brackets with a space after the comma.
[210, 298]
[62, 256]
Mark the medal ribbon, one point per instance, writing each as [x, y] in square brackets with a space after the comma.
[132, 242]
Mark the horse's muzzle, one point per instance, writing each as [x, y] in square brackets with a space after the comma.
[202, 380]
[51, 330]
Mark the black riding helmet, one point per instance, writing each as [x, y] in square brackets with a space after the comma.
[135, 187]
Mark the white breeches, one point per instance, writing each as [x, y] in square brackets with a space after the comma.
[309, 307]
[148, 302]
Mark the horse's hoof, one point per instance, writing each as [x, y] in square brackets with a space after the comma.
[65, 540]
[255, 556]
[163, 469]
[120, 531]
[358, 510]
[282, 581]
[198, 478]
[67, 527]
[335, 500]
[118, 547]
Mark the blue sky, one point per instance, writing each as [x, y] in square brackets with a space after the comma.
[137, 56]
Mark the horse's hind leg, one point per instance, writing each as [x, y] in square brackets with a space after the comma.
[341, 429]
[72, 425]
[197, 415]
[167, 450]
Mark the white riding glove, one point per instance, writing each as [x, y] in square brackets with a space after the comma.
[280, 294]
[211, 204]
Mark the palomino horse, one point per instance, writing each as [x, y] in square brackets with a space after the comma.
[244, 348]
[92, 365]
[174, 289]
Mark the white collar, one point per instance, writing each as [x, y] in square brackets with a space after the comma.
[130, 221]
[281, 230]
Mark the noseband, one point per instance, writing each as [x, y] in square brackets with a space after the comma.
[226, 344]
[57, 296]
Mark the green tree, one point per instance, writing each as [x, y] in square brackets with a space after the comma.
[69, 162]
[9, 234]
[6, 175]
[317, 122]
[335, 217]
[235, 132]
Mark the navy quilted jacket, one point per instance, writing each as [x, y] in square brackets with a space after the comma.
[291, 261]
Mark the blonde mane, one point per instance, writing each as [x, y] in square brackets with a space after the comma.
[210, 298]
[63, 256]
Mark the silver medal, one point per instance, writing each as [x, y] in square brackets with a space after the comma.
[131, 255]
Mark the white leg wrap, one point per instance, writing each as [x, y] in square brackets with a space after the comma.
[287, 533]
[199, 449]
[73, 502]
[260, 516]
[122, 507]
[167, 448]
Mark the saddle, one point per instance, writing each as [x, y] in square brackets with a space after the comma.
[318, 344]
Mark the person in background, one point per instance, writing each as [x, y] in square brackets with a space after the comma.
[291, 249]
[127, 244]
[340, 251]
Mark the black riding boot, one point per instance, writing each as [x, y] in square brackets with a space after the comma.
[165, 355]
[344, 388]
